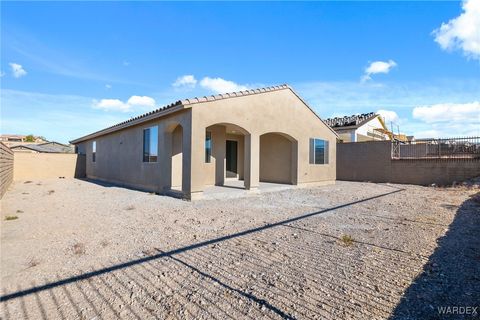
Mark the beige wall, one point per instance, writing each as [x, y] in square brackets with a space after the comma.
[276, 154]
[177, 157]
[346, 136]
[371, 161]
[6, 168]
[35, 166]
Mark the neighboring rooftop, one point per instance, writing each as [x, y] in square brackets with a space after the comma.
[13, 139]
[355, 120]
[47, 147]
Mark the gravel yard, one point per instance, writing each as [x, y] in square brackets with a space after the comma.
[79, 250]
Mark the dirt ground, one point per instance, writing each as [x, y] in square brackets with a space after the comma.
[79, 250]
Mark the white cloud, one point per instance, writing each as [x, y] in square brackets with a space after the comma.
[55, 116]
[108, 86]
[17, 70]
[219, 85]
[216, 85]
[143, 101]
[388, 116]
[187, 81]
[111, 105]
[118, 105]
[378, 67]
[449, 112]
[462, 32]
[447, 120]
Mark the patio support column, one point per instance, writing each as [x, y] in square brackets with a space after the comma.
[294, 168]
[165, 158]
[219, 134]
[252, 161]
[196, 159]
[187, 159]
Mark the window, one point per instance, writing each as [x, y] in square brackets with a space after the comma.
[150, 144]
[208, 147]
[318, 151]
[94, 150]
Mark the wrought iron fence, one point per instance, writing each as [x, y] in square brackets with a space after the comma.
[445, 148]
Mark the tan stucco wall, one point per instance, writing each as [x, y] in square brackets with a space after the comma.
[371, 161]
[276, 159]
[177, 157]
[346, 136]
[35, 166]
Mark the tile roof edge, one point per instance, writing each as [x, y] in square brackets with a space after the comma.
[187, 103]
[368, 116]
[184, 103]
[234, 94]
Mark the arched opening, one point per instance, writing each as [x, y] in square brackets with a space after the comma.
[176, 157]
[225, 155]
[278, 158]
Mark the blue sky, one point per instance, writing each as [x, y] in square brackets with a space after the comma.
[72, 68]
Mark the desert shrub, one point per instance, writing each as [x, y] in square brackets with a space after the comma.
[78, 248]
[347, 240]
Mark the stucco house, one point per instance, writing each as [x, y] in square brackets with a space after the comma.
[360, 127]
[261, 135]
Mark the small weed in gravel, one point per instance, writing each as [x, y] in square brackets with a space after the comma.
[130, 208]
[347, 240]
[51, 191]
[104, 243]
[78, 248]
[8, 218]
[150, 251]
[32, 263]
[19, 211]
[28, 181]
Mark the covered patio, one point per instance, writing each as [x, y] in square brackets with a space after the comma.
[234, 188]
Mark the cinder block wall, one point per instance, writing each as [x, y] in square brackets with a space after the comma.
[35, 166]
[371, 161]
[6, 168]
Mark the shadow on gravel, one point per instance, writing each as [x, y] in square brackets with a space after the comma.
[88, 277]
[449, 286]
